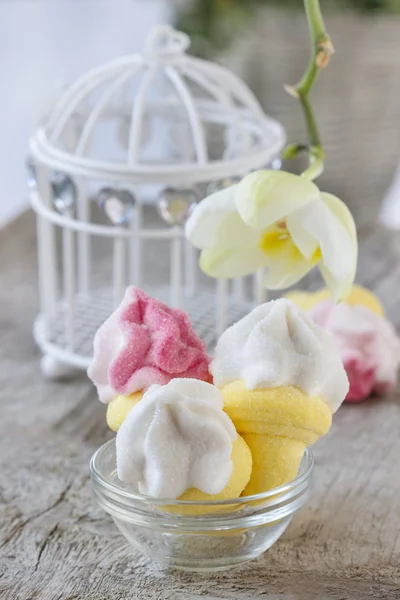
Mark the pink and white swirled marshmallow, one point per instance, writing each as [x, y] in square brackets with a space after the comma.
[368, 344]
[145, 342]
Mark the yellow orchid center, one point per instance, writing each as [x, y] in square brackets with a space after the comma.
[317, 256]
[275, 238]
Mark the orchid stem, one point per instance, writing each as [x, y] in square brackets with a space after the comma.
[322, 50]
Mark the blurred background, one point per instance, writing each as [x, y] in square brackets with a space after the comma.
[45, 43]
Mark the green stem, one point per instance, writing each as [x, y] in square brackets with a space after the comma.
[321, 52]
[318, 36]
[311, 123]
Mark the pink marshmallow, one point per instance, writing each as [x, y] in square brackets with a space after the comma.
[368, 344]
[142, 343]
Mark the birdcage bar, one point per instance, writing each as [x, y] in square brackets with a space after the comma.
[191, 268]
[137, 116]
[100, 107]
[222, 291]
[78, 91]
[119, 270]
[218, 93]
[199, 141]
[238, 288]
[47, 254]
[148, 173]
[259, 291]
[107, 231]
[68, 261]
[83, 238]
[135, 245]
[176, 269]
[236, 86]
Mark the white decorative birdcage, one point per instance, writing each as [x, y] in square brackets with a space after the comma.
[156, 129]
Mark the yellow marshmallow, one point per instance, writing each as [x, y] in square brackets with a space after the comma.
[242, 465]
[359, 296]
[276, 460]
[119, 407]
[277, 425]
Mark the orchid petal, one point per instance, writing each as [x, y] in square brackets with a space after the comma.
[232, 262]
[340, 210]
[333, 238]
[341, 288]
[215, 223]
[266, 197]
[304, 241]
[286, 266]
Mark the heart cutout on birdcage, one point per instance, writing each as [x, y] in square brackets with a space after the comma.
[117, 205]
[175, 205]
[64, 192]
[221, 184]
[276, 163]
[31, 175]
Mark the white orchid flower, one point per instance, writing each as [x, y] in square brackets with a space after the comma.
[280, 223]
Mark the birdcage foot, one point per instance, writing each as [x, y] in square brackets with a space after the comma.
[55, 370]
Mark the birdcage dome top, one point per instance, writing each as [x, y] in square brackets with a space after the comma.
[161, 116]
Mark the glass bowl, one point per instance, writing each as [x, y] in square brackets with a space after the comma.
[198, 536]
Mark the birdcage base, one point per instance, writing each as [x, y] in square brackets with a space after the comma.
[67, 348]
[55, 369]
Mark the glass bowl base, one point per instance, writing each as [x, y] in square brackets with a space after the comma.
[208, 551]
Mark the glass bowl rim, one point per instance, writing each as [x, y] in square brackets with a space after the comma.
[306, 468]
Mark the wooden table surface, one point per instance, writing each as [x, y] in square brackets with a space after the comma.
[54, 542]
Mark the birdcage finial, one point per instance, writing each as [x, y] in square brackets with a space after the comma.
[164, 41]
